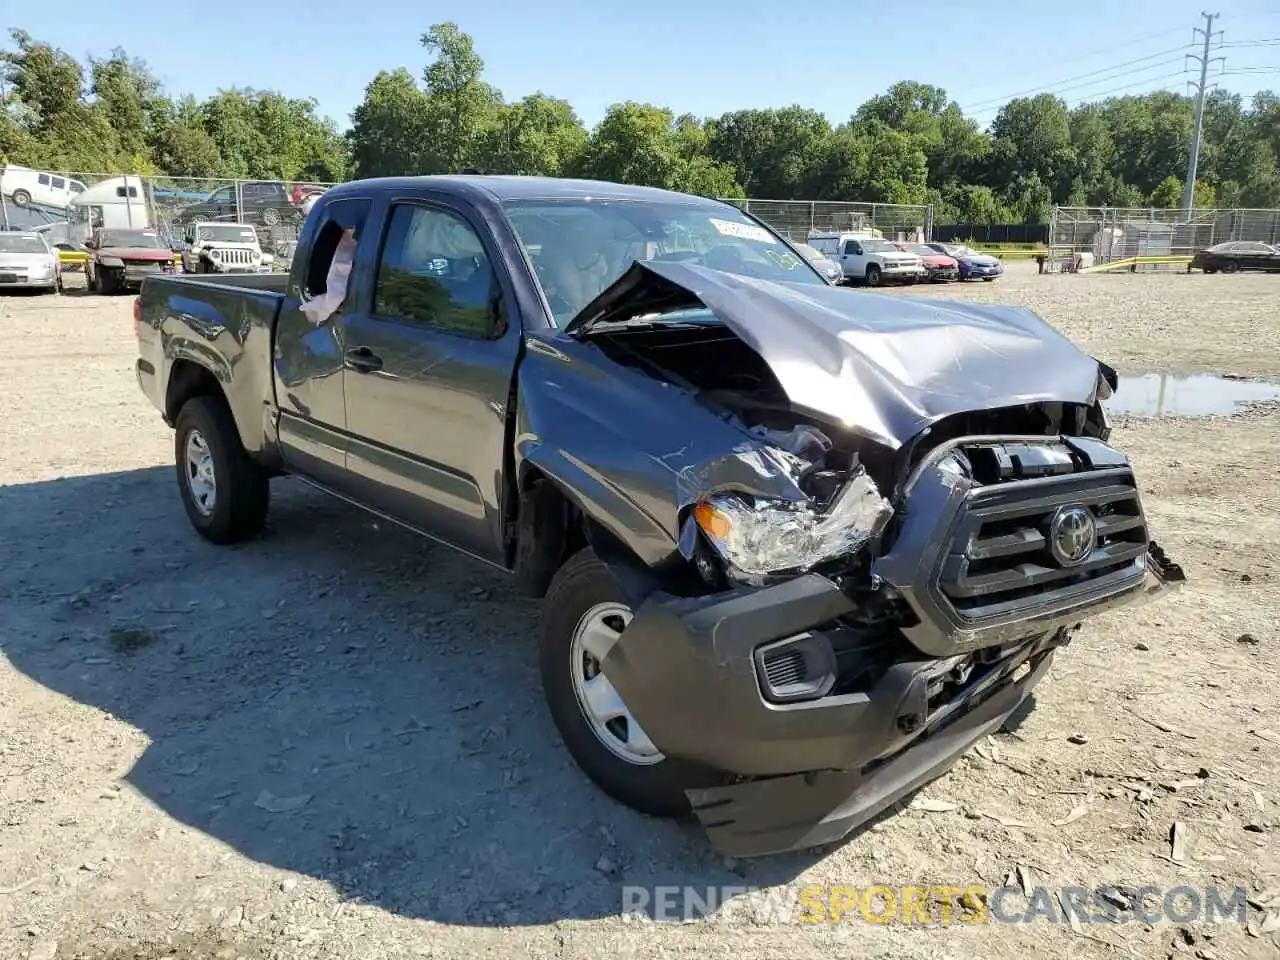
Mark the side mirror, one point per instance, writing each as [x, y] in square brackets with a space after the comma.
[89, 244]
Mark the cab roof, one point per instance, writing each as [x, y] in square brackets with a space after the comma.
[503, 188]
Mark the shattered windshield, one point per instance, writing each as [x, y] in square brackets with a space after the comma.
[580, 247]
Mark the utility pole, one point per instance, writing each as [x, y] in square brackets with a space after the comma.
[1189, 191]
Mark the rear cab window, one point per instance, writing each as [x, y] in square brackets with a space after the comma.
[340, 217]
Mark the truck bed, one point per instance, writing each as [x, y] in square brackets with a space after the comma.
[192, 313]
[269, 282]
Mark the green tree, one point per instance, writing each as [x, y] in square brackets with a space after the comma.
[1167, 194]
[130, 97]
[538, 136]
[1032, 136]
[952, 143]
[773, 153]
[463, 108]
[389, 129]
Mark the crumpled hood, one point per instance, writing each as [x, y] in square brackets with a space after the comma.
[883, 367]
[135, 253]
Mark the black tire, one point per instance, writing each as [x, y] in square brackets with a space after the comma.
[873, 275]
[242, 488]
[987, 279]
[1230, 266]
[21, 198]
[657, 789]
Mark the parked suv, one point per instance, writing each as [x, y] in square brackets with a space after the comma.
[266, 202]
[223, 248]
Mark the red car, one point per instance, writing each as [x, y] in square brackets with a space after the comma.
[937, 266]
[122, 259]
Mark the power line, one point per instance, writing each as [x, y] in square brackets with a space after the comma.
[1051, 86]
[1060, 90]
[1128, 86]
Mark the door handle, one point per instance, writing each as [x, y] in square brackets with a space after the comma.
[363, 360]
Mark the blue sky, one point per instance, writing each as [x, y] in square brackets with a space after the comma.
[699, 57]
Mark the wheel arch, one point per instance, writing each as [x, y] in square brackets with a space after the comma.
[553, 523]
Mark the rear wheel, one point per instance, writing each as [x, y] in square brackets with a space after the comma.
[585, 614]
[1230, 266]
[224, 492]
[21, 198]
[873, 276]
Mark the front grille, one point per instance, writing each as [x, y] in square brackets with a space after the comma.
[1000, 555]
[236, 257]
[973, 554]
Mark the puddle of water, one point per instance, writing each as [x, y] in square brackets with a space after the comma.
[1164, 395]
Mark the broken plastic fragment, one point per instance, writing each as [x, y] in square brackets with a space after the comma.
[321, 308]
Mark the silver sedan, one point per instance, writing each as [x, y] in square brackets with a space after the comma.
[27, 261]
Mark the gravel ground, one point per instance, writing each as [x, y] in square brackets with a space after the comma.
[330, 743]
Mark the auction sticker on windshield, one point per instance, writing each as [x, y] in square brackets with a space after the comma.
[744, 231]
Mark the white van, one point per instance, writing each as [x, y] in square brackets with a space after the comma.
[117, 203]
[27, 187]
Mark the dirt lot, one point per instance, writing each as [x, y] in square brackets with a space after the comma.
[331, 744]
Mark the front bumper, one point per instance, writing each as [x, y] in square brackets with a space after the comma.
[29, 283]
[809, 771]
[803, 810]
[966, 272]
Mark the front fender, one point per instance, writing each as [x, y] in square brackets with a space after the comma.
[631, 451]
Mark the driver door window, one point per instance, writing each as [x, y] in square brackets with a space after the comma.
[434, 271]
[852, 248]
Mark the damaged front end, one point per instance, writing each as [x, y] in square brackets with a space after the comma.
[889, 556]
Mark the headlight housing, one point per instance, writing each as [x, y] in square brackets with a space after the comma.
[756, 538]
[111, 262]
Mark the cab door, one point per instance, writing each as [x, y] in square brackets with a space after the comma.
[428, 372]
[309, 365]
[853, 261]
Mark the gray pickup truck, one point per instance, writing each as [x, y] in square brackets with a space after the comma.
[799, 546]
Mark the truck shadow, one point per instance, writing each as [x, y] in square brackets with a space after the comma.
[338, 698]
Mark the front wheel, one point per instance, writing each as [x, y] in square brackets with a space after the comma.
[1231, 266]
[21, 198]
[873, 276]
[224, 492]
[585, 614]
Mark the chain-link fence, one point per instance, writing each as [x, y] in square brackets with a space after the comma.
[68, 206]
[795, 219]
[1117, 233]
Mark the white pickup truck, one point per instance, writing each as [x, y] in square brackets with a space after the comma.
[868, 258]
[223, 248]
